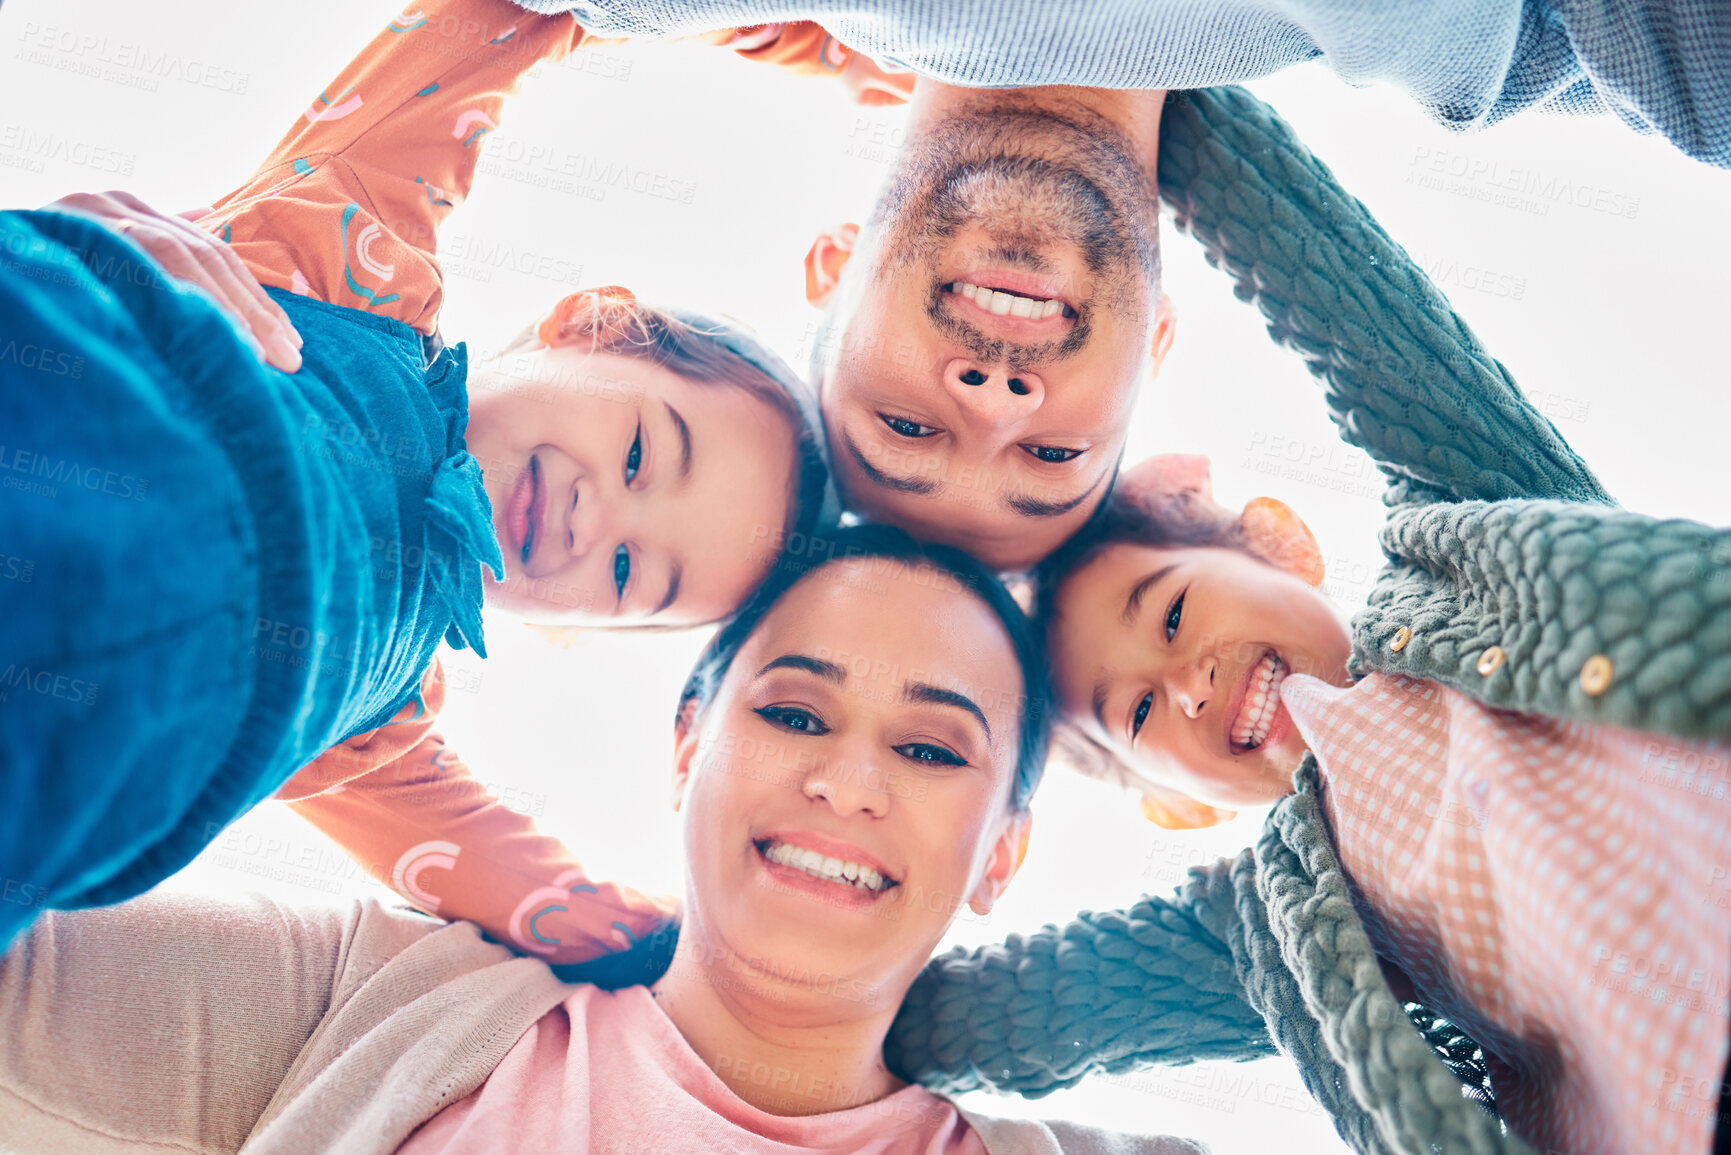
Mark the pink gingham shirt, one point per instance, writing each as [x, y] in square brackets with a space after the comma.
[1561, 891]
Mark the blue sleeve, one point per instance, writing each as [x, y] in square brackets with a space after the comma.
[1661, 65]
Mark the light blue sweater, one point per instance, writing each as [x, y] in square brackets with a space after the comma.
[1662, 65]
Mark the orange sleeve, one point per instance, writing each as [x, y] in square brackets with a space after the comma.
[407, 808]
[347, 206]
[807, 49]
[800, 47]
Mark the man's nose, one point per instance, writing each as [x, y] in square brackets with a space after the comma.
[992, 394]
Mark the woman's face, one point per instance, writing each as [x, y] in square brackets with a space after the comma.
[848, 786]
[1173, 659]
[623, 492]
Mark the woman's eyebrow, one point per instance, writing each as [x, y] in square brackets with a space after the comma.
[938, 696]
[828, 671]
[1133, 603]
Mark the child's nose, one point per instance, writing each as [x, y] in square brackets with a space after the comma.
[587, 520]
[1193, 687]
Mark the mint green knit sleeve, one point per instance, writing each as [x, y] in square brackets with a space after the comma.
[1405, 379]
[1112, 991]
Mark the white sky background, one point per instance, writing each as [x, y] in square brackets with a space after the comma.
[1614, 324]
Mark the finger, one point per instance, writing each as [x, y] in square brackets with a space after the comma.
[196, 214]
[182, 263]
[236, 290]
[258, 301]
[249, 296]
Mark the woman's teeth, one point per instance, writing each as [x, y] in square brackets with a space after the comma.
[1003, 303]
[1261, 703]
[824, 867]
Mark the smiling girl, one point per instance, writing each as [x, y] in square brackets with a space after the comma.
[309, 539]
[1539, 873]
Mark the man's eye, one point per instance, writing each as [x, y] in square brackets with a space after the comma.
[1174, 615]
[1141, 716]
[908, 428]
[792, 718]
[621, 569]
[1053, 453]
[634, 456]
[926, 752]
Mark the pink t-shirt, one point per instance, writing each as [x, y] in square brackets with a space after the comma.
[608, 1072]
[1561, 891]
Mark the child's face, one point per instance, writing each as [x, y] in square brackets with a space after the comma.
[623, 492]
[1173, 659]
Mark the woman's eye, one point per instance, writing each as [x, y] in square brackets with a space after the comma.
[1174, 614]
[926, 752]
[1053, 453]
[792, 718]
[621, 569]
[634, 456]
[1141, 715]
[908, 428]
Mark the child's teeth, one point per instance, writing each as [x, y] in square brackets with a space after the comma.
[1256, 715]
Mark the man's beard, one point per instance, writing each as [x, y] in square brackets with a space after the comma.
[1037, 183]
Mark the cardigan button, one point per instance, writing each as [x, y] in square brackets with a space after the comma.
[1401, 637]
[1490, 660]
[1596, 675]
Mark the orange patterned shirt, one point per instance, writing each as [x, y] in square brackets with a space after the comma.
[347, 209]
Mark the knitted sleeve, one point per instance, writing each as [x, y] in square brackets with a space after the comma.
[1554, 584]
[1197, 975]
[1405, 379]
[1106, 992]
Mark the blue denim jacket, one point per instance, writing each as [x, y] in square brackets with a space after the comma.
[295, 550]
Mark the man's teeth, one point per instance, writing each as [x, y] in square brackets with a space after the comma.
[1004, 303]
[1261, 702]
[822, 866]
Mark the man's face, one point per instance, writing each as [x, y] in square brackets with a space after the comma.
[991, 330]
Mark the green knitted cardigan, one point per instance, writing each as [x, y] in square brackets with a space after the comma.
[1498, 534]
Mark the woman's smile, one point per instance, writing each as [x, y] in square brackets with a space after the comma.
[836, 873]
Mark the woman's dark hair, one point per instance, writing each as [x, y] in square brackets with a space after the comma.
[805, 556]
